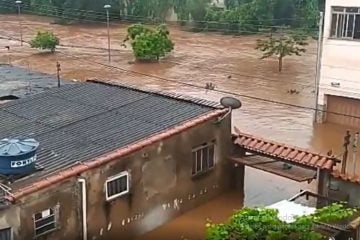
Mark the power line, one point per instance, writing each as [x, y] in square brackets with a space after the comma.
[218, 69]
[152, 19]
[201, 87]
[49, 11]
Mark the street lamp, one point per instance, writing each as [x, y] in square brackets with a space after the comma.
[107, 8]
[18, 3]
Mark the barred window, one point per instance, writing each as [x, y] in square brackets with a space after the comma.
[117, 186]
[345, 23]
[203, 158]
[45, 221]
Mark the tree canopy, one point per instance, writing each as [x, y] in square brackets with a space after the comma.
[45, 40]
[149, 44]
[264, 224]
[297, 13]
[282, 46]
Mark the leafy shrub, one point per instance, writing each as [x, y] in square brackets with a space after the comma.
[45, 40]
[149, 44]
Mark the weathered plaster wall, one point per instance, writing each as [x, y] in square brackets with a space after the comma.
[345, 189]
[65, 196]
[162, 186]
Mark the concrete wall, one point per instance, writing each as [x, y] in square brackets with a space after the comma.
[162, 187]
[340, 61]
[345, 191]
[65, 196]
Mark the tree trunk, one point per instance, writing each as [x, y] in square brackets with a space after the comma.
[280, 63]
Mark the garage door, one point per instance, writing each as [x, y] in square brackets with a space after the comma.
[344, 106]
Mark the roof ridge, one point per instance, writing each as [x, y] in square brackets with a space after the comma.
[181, 97]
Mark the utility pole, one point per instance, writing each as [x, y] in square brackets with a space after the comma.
[355, 145]
[107, 8]
[318, 64]
[18, 3]
[58, 69]
[346, 151]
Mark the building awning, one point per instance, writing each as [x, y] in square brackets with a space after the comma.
[283, 152]
[269, 165]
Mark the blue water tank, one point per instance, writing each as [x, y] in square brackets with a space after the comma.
[17, 156]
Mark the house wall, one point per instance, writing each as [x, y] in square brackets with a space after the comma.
[65, 196]
[162, 187]
[340, 63]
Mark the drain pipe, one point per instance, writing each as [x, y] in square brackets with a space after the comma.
[82, 181]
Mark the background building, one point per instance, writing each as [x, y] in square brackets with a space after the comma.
[339, 90]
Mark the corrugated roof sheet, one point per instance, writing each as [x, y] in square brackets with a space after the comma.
[22, 82]
[284, 151]
[81, 121]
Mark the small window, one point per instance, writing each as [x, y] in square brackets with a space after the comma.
[45, 221]
[117, 186]
[203, 158]
[5, 234]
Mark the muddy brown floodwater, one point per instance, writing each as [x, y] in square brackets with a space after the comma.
[231, 63]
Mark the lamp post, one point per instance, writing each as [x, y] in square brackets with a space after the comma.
[18, 3]
[107, 8]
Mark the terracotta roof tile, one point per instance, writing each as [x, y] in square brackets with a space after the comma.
[299, 156]
[285, 152]
[253, 143]
[293, 153]
[346, 177]
[265, 146]
[259, 145]
[314, 160]
[278, 150]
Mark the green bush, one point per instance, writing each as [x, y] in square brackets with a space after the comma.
[264, 224]
[45, 40]
[149, 44]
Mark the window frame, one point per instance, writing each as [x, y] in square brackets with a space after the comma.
[116, 177]
[55, 215]
[11, 232]
[207, 167]
[343, 16]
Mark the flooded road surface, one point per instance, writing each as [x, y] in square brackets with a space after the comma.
[231, 63]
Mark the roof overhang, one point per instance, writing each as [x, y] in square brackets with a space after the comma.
[283, 152]
[295, 173]
[115, 155]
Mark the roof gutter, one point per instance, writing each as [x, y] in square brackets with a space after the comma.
[115, 155]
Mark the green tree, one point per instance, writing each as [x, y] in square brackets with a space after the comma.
[45, 40]
[149, 44]
[264, 224]
[282, 46]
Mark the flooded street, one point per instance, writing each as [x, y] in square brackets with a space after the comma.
[230, 63]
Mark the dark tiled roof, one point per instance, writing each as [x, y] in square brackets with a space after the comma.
[21, 82]
[81, 121]
[282, 151]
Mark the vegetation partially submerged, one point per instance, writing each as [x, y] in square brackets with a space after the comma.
[149, 44]
[45, 40]
[264, 224]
